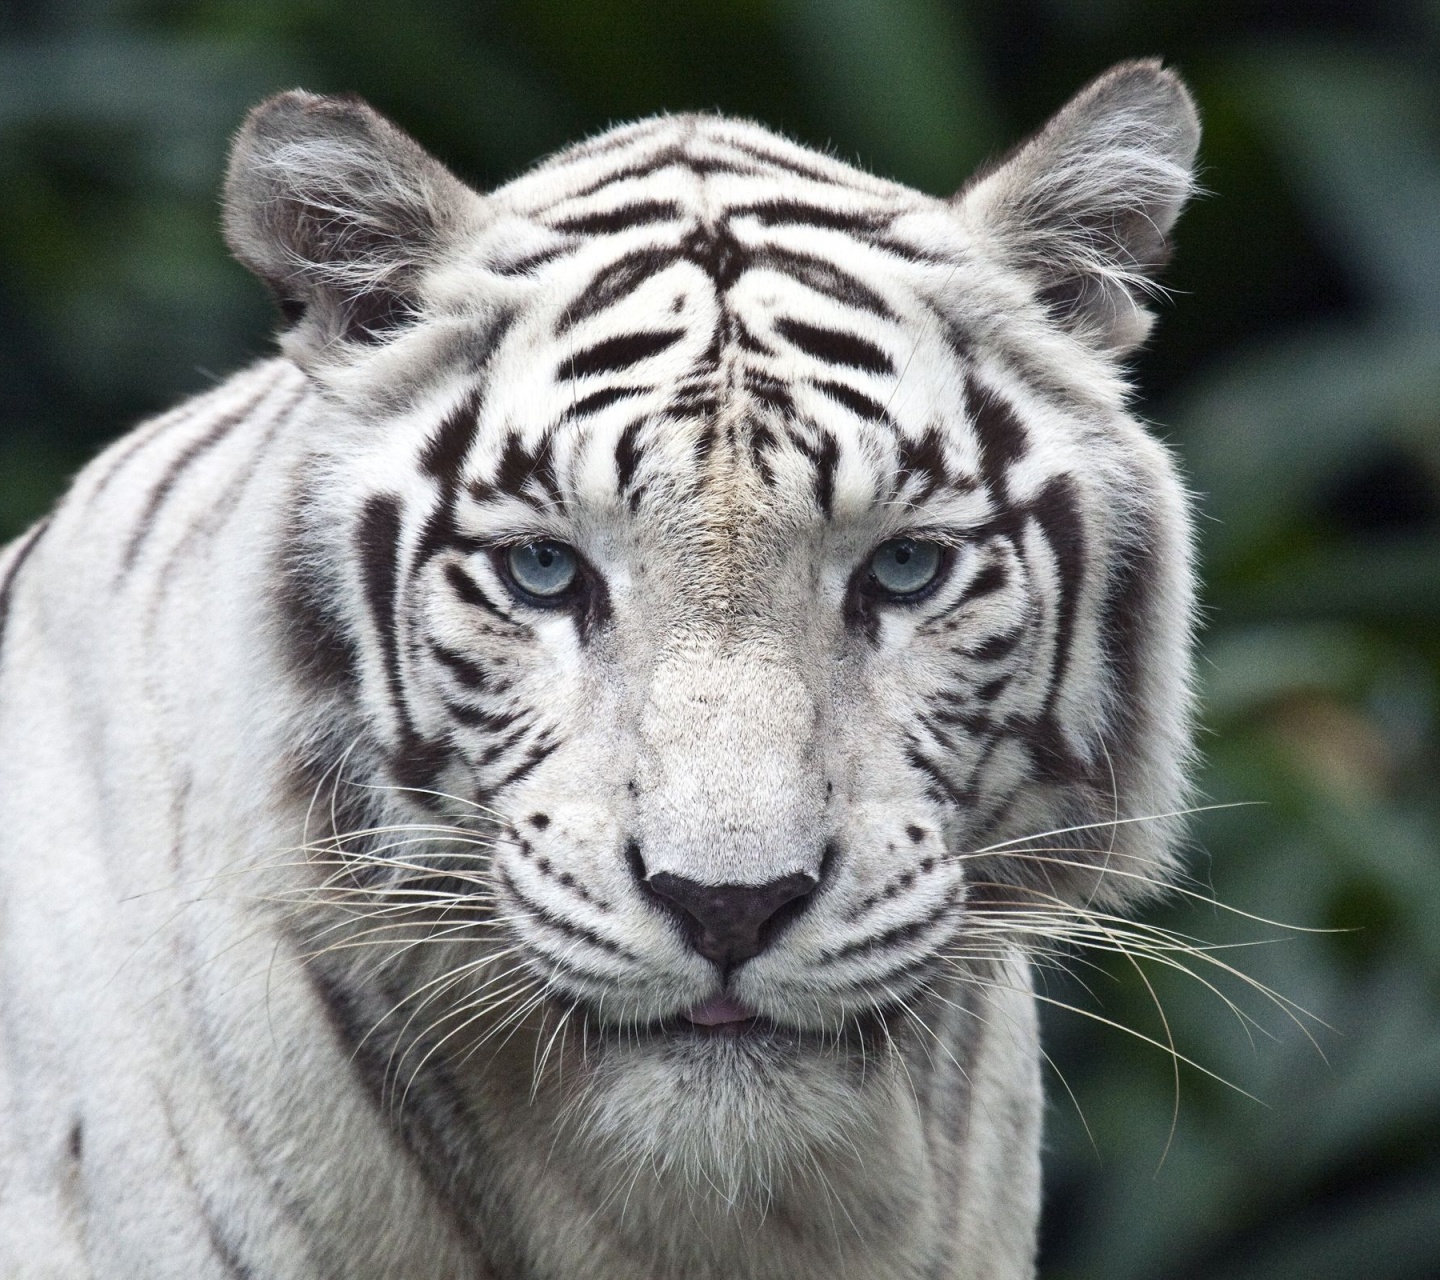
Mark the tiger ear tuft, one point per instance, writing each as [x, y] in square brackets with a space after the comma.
[339, 212]
[1086, 206]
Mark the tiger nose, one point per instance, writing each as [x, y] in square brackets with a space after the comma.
[730, 923]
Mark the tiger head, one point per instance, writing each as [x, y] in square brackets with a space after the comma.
[756, 555]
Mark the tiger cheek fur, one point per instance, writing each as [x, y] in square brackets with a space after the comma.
[566, 763]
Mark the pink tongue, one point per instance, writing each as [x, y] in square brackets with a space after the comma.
[717, 1011]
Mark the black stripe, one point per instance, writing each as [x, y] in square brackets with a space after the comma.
[498, 748]
[801, 213]
[996, 647]
[761, 442]
[544, 916]
[1057, 512]
[826, 457]
[619, 280]
[993, 577]
[963, 716]
[432, 1125]
[992, 689]
[822, 276]
[181, 416]
[200, 532]
[12, 572]
[467, 673]
[222, 1248]
[909, 931]
[1001, 435]
[627, 137]
[1125, 631]
[695, 397]
[924, 460]
[835, 346]
[377, 547]
[187, 456]
[1056, 762]
[717, 253]
[769, 391]
[861, 405]
[478, 718]
[445, 452]
[416, 761]
[635, 214]
[671, 156]
[521, 469]
[787, 163]
[602, 399]
[524, 265]
[615, 354]
[706, 165]
[941, 787]
[471, 592]
[534, 758]
[662, 159]
[627, 455]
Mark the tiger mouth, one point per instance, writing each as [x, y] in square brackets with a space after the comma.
[719, 1012]
[723, 1020]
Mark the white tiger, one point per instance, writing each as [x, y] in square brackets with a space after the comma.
[555, 776]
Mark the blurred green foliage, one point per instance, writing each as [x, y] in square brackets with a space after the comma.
[1297, 374]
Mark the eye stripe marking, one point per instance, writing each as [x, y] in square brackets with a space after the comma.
[923, 459]
[467, 673]
[471, 592]
[994, 577]
[996, 647]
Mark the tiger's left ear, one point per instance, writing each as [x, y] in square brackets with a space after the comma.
[340, 213]
[1085, 207]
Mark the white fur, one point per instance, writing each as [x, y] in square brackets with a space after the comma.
[230, 1044]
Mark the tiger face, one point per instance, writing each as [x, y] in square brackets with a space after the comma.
[760, 555]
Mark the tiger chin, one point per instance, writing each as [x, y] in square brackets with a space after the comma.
[562, 771]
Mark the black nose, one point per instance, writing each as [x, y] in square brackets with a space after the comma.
[729, 923]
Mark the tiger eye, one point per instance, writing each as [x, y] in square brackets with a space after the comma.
[543, 569]
[905, 566]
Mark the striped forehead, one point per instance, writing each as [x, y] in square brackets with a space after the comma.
[698, 306]
[814, 412]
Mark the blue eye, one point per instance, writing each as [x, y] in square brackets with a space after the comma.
[544, 569]
[905, 566]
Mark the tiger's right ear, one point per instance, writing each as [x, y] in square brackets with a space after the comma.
[339, 212]
[1085, 208]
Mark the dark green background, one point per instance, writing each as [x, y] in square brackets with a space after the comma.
[1296, 371]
